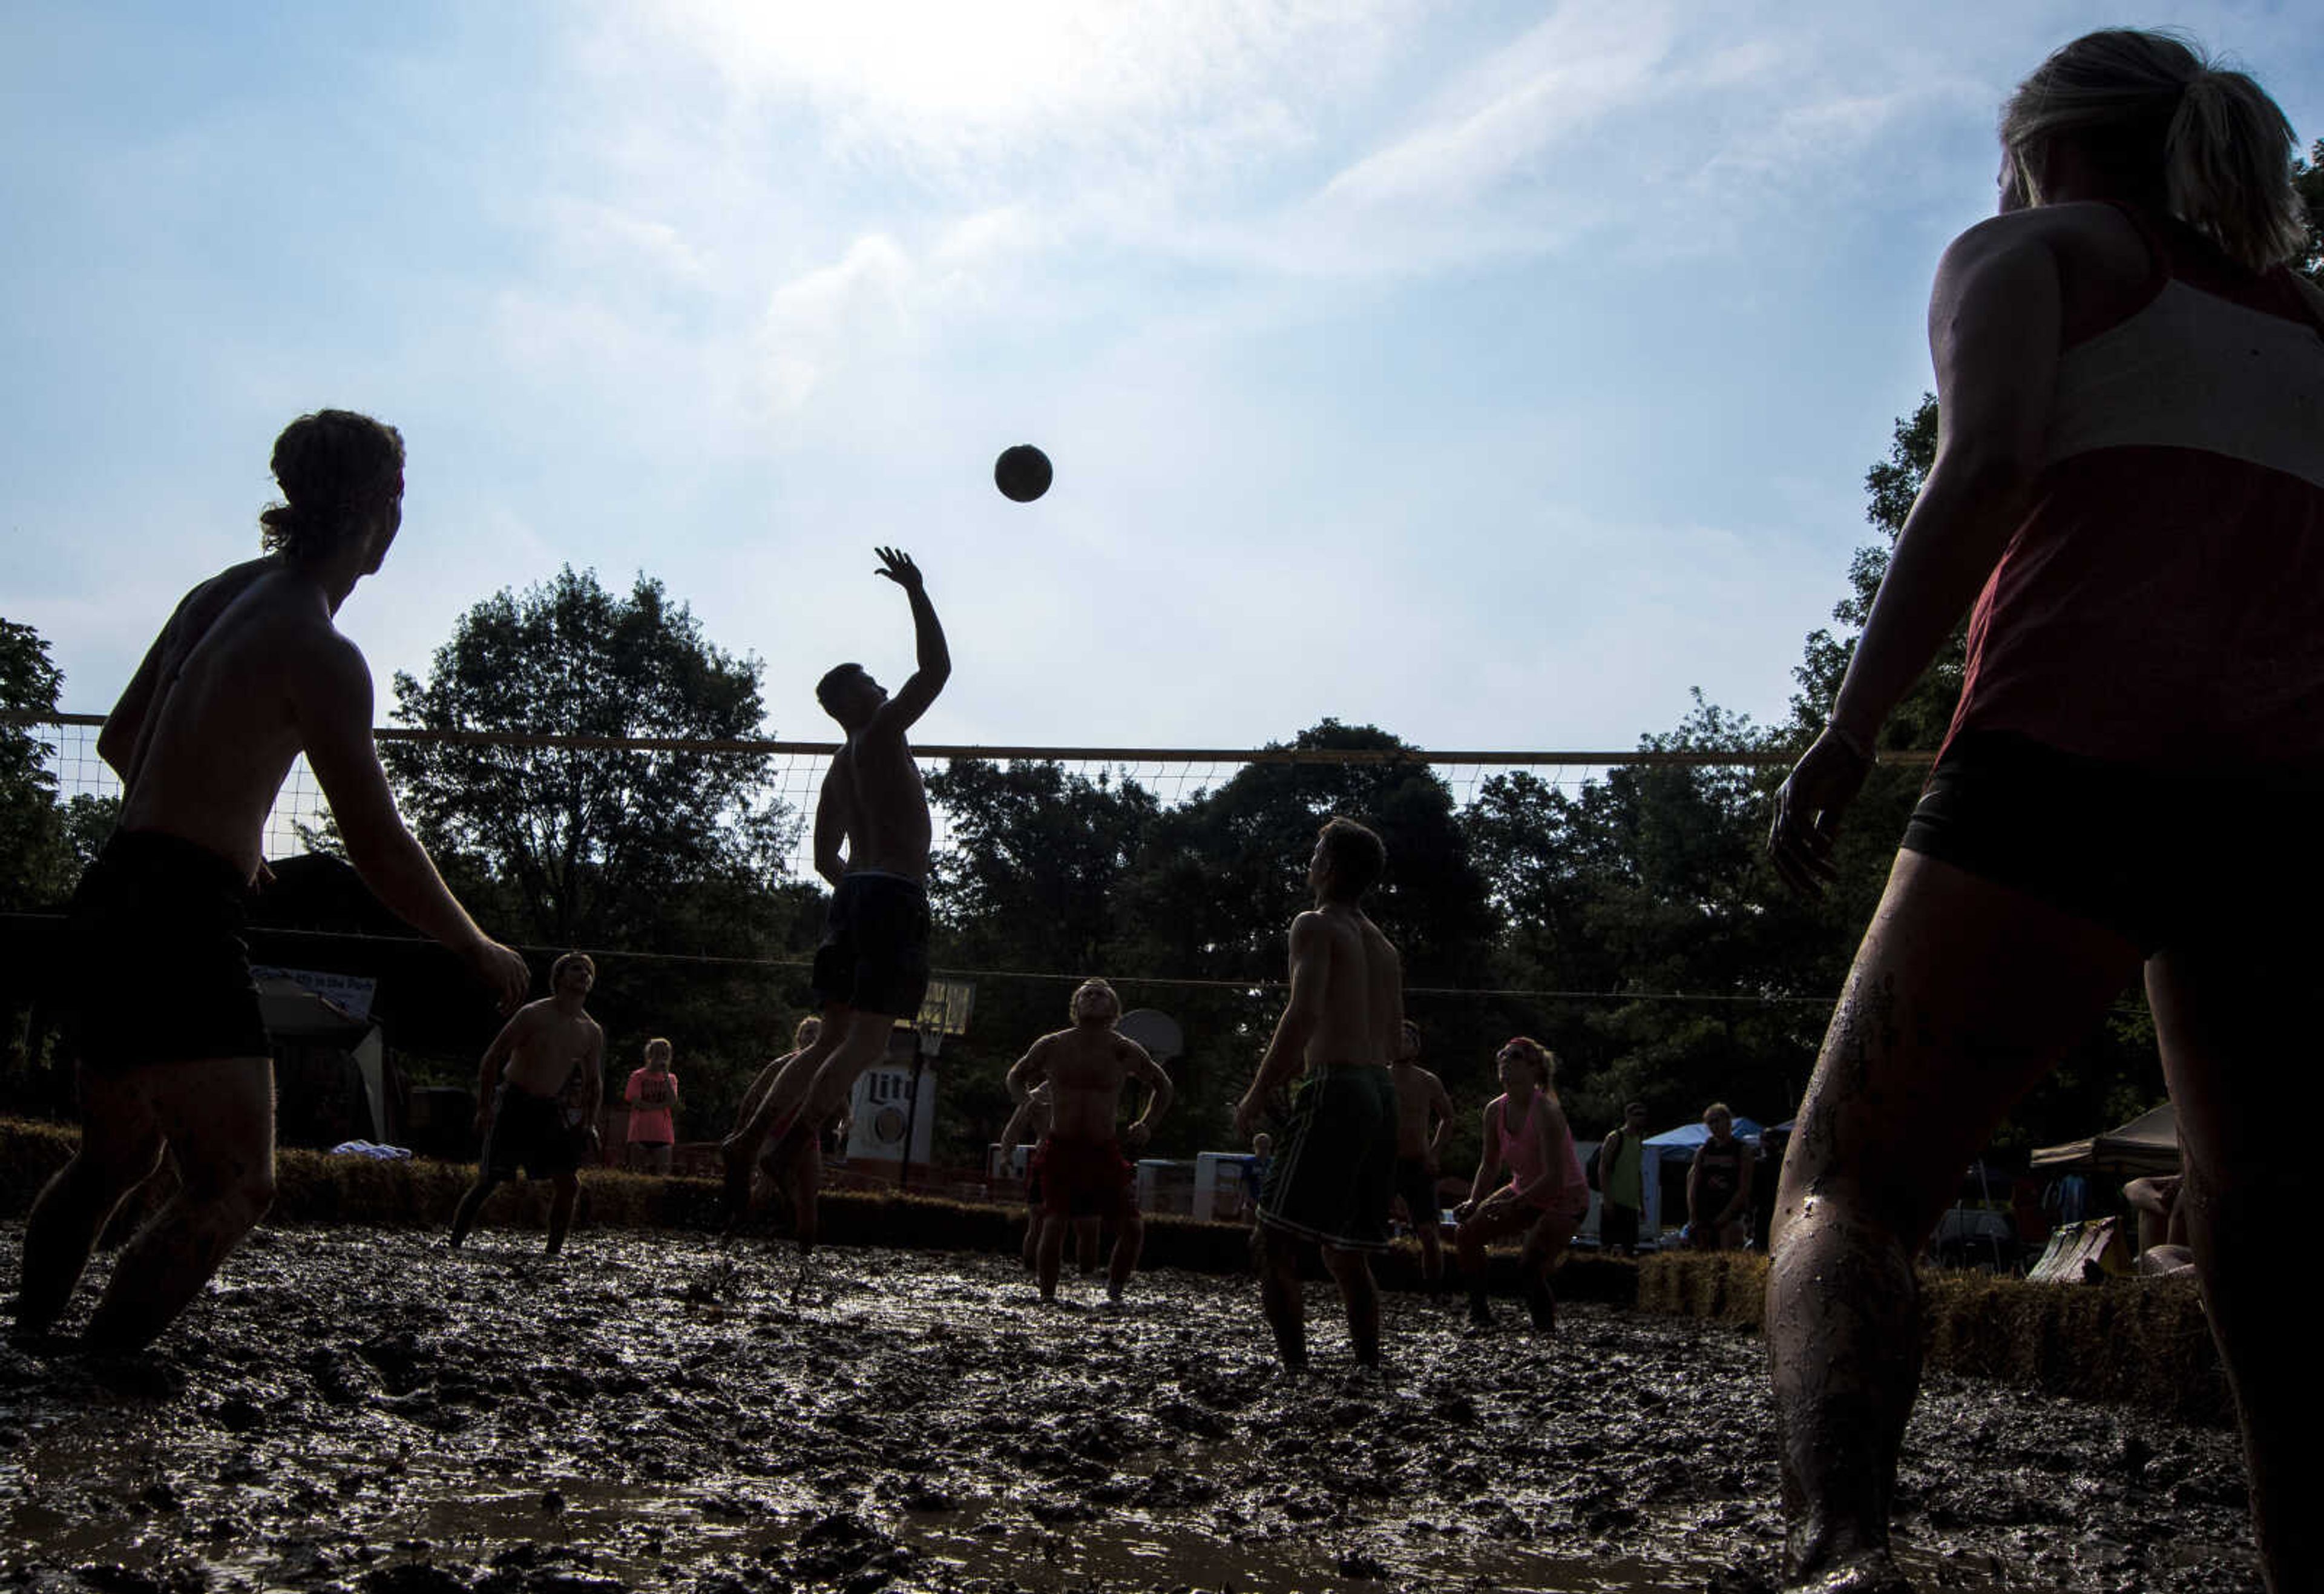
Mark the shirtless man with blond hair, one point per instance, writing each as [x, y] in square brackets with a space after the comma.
[249, 673]
[1332, 1180]
[1080, 1162]
[528, 1073]
[872, 968]
[1424, 1117]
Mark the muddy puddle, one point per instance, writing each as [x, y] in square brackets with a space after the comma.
[364, 1411]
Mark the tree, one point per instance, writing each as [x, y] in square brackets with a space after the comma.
[2308, 178]
[595, 844]
[34, 855]
[669, 863]
[1220, 878]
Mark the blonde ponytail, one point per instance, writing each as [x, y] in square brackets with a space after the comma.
[2149, 108]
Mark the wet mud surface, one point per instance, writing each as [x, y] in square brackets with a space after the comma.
[362, 1410]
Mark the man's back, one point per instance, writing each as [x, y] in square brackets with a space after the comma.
[1362, 1005]
[217, 735]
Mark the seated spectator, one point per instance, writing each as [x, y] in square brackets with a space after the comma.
[2162, 1247]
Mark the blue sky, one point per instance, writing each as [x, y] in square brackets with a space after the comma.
[1492, 374]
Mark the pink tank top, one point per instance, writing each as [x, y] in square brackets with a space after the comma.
[1528, 1159]
[2163, 601]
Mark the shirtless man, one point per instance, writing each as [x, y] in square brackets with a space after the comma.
[1080, 1163]
[521, 1090]
[248, 673]
[1419, 1098]
[790, 1167]
[872, 968]
[1345, 1020]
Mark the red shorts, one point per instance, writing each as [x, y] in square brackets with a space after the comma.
[1085, 1177]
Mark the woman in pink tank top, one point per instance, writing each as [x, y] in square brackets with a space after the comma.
[1548, 1194]
[2129, 483]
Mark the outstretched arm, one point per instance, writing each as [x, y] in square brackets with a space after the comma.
[331, 701]
[1489, 1160]
[1994, 326]
[911, 700]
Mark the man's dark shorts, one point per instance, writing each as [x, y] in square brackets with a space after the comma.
[1617, 1225]
[874, 956]
[2164, 858]
[1332, 1178]
[1086, 1179]
[157, 969]
[529, 1132]
[1417, 1186]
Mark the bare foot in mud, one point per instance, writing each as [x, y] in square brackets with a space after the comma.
[1870, 1571]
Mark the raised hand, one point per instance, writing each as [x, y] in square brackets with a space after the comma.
[898, 567]
[1807, 806]
[503, 972]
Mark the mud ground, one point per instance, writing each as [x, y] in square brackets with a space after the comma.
[365, 1411]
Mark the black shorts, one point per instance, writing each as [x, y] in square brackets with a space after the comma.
[158, 969]
[874, 956]
[529, 1132]
[1617, 1225]
[1417, 1186]
[1332, 1178]
[2160, 857]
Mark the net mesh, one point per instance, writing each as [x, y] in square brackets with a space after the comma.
[792, 773]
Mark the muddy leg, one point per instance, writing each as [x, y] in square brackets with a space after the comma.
[1352, 1272]
[1963, 993]
[218, 1117]
[464, 1216]
[1278, 1295]
[1032, 1237]
[805, 1180]
[1127, 1242]
[120, 1146]
[1051, 1255]
[1545, 1242]
[1432, 1253]
[763, 1105]
[2229, 1031]
[1483, 1225]
[566, 1189]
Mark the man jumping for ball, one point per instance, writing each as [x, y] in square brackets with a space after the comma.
[1333, 1180]
[872, 968]
[1080, 1163]
[250, 673]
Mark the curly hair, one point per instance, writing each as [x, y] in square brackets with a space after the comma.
[338, 470]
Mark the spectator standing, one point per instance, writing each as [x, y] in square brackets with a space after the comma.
[1719, 1185]
[1622, 1182]
[653, 1096]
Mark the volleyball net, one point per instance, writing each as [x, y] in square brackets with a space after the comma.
[786, 776]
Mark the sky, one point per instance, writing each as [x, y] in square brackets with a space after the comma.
[1491, 374]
